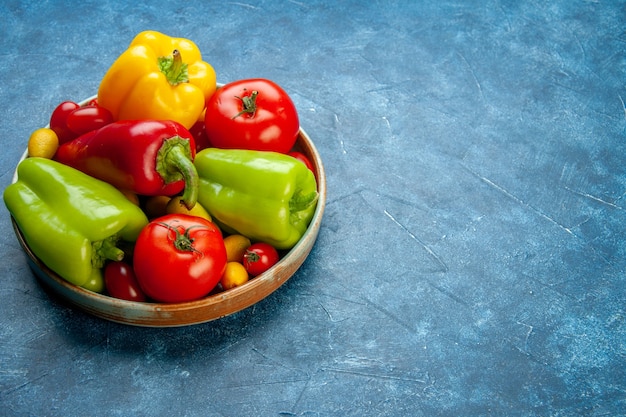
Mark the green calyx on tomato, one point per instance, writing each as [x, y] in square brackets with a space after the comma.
[182, 241]
[249, 104]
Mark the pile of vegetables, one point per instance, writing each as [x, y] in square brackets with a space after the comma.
[165, 187]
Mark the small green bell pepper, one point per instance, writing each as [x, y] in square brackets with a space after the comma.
[266, 196]
[72, 222]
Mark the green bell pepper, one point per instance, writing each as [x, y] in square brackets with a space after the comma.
[266, 196]
[72, 222]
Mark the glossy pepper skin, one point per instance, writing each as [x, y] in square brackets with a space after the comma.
[266, 196]
[158, 77]
[71, 221]
[147, 157]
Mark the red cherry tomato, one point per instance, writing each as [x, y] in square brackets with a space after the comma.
[252, 114]
[88, 118]
[58, 121]
[198, 132]
[260, 257]
[302, 157]
[120, 282]
[179, 258]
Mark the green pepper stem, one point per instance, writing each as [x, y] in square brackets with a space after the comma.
[112, 253]
[106, 250]
[175, 162]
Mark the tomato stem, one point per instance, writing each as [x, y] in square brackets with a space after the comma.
[182, 242]
[252, 256]
[249, 104]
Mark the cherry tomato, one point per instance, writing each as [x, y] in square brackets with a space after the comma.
[176, 206]
[234, 276]
[252, 114]
[198, 132]
[179, 258]
[43, 142]
[259, 257]
[156, 206]
[120, 282]
[236, 246]
[302, 157]
[88, 118]
[58, 121]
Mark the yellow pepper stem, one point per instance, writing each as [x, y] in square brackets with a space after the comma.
[174, 69]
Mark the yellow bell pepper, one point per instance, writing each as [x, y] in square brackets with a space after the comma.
[158, 77]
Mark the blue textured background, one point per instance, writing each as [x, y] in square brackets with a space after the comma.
[471, 259]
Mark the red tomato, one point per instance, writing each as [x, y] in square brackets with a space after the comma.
[259, 257]
[58, 121]
[302, 157]
[86, 119]
[120, 282]
[252, 114]
[179, 258]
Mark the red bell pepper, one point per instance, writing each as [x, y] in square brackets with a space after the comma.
[147, 157]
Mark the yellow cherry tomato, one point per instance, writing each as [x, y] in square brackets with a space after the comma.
[236, 246]
[175, 206]
[155, 206]
[43, 143]
[131, 196]
[234, 275]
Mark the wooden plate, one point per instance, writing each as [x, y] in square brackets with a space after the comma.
[206, 309]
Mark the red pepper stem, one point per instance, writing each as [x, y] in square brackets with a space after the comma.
[174, 162]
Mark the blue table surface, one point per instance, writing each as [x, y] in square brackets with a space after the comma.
[471, 257]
